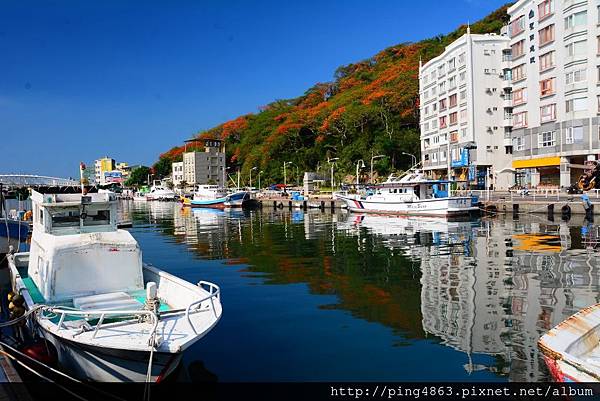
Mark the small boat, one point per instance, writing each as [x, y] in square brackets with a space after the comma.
[159, 192]
[212, 196]
[410, 194]
[110, 316]
[571, 350]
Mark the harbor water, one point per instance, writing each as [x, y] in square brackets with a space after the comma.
[321, 296]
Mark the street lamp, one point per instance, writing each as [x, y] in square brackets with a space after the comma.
[259, 173]
[253, 168]
[414, 158]
[332, 162]
[373, 158]
[360, 163]
[285, 175]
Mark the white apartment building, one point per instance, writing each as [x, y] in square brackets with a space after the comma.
[555, 77]
[465, 129]
[177, 173]
[205, 167]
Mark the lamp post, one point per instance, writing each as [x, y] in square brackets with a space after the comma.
[259, 173]
[414, 158]
[373, 158]
[285, 176]
[332, 162]
[253, 168]
[358, 165]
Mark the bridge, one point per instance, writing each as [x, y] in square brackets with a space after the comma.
[28, 180]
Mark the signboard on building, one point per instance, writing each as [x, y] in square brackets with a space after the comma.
[113, 177]
[464, 159]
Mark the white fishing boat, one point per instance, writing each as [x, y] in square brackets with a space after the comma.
[571, 350]
[410, 194]
[110, 316]
[159, 192]
[213, 196]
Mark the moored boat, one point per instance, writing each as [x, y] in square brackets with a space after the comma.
[212, 196]
[159, 192]
[571, 350]
[13, 229]
[110, 316]
[410, 194]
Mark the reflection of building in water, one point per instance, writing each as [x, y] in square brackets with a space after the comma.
[519, 282]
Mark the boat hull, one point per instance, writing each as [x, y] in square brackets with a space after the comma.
[448, 207]
[11, 231]
[101, 364]
[237, 199]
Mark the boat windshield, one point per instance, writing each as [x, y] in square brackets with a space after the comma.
[73, 217]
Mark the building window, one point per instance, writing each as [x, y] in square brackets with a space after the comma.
[454, 136]
[518, 49]
[578, 104]
[574, 135]
[442, 87]
[451, 64]
[463, 116]
[453, 118]
[434, 124]
[443, 138]
[598, 97]
[451, 83]
[461, 59]
[443, 122]
[434, 157]
[463, 133]
[463, 76]
[546, 35]
[548, 113]
[443, 104]
[518, 73]
[547, 61]
[452, 100]
[519, 96]
[441, 70]
[433, 91]
[546, 139]
[517, 26]
[518, 144]
[520, 120]
[576, 19]
[547, 87]
[577, 48]
[443, 156]
[545, 9]
[572, 77]
[463, 95]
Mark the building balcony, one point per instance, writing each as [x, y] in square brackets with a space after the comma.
[507, 122]
[506, 84]
[507, 102]
[508, 141]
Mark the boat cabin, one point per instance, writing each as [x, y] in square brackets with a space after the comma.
[413, 186]
[77, 250]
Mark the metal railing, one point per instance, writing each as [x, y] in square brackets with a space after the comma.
[214, 292]
[135, 314]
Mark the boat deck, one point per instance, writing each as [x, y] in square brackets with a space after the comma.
[38, 298]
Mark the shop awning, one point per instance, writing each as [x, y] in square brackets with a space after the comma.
[539, 162]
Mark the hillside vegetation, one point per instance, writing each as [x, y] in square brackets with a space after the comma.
[370, 108]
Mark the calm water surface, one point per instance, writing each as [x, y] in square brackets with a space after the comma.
[349, 297]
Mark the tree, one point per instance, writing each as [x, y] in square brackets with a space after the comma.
[163, 167]
[138, 177]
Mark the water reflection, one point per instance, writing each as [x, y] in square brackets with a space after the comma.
[486, 289]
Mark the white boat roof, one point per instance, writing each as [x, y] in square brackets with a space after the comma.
[68, 200]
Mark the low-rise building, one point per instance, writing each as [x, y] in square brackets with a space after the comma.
[177, 173]
[206, 167]
[464, 127]
[101, 167]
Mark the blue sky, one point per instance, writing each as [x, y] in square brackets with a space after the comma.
[130, 79]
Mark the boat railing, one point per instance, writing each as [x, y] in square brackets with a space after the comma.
[134, 314]
[214, 293]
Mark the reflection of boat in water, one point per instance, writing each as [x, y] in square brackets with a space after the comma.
[572, 349]
[404, 225]
[110, 316]
[411, 194]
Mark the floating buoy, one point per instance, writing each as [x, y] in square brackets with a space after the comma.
[41, 350]
[18, 300]
[10, 295]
